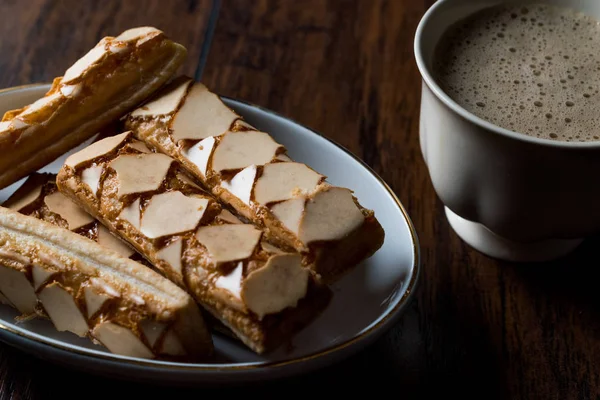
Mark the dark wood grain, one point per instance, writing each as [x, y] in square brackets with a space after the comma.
[478, 328]
[40, 39]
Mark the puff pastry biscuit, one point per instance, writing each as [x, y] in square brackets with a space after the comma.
[262, 293]
[110, 80]
[94, 292]
[247, 169]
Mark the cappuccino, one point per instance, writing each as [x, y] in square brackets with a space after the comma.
[531, 69]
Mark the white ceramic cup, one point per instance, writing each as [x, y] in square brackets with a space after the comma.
[508, 195]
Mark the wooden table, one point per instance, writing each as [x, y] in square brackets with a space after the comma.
[477, 328]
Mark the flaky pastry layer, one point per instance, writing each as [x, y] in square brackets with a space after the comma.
[94, 292]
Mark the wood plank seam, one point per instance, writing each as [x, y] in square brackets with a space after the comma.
[208, 38]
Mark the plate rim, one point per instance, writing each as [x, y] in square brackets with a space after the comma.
[372, 333]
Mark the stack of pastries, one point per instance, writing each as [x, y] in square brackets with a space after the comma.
[185, 221]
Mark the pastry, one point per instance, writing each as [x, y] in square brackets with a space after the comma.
[94, 292]
[248, 170]
[39, 197]
[110, 80]
[262, 293]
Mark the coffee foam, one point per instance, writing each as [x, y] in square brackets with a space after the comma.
[533, 70]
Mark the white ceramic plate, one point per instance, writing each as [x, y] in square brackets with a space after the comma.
[366, 302]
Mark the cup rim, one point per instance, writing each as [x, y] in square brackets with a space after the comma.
[427, 77]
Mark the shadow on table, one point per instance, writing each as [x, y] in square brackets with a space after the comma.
[569, 281]
[397, 364]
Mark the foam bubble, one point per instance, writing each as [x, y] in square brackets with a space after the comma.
[509, 58]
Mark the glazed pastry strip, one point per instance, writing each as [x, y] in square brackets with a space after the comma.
[246, 169]
[263, 294]
[94, 292]
[109, 81]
